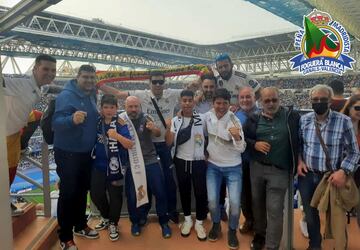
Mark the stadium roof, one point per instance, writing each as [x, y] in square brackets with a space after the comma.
[345, 11]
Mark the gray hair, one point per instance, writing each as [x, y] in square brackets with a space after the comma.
[321, 87]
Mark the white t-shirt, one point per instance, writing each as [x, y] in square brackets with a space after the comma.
[237, 80]
[21, 94]
[223, 150]
[186, 150]
[166, 103]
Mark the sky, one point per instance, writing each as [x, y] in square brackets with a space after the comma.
[197, 21]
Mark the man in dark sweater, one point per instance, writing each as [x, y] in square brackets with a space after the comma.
[145, 128]
[272, 137]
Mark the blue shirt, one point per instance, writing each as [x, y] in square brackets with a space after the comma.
[101, 160]
[339, 137]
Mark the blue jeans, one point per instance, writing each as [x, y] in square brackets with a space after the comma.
[155, 185]
[233, 179]
[167, 166]
[307, 186]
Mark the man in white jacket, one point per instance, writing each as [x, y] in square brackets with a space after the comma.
[21, 94]
[226, 143]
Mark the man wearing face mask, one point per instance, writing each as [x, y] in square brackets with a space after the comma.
[272, 138]
[335, 131]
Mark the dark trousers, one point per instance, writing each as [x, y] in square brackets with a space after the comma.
[166, 163]
[268, 186]
[307, 186]
[246, 201]
[74, 170]
[222, 194]
[194, 172]
[155, 185]
[106, 197]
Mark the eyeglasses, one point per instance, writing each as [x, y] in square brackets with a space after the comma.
[322, 99]
[160, 82]
[357, 108]
[273, 100]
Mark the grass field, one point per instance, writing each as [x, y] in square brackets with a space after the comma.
[38, 198]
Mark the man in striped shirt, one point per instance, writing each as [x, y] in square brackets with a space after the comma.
[339, 138]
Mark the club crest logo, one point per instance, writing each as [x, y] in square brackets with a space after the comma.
[324, 45]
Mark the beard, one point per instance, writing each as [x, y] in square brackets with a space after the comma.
[226, 75]
[133, 115]
[208, 95]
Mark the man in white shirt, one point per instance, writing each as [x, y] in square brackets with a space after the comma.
[187, 133]
[232, 79]
[166, 100]
[21, 94]
[226, 143]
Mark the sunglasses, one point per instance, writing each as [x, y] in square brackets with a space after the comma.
[322, 99]
[357, 108]
[160, 82]
[273, 100]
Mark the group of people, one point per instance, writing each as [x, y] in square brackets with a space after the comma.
[230, 138]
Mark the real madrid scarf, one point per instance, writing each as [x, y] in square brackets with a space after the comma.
[194, 133]
[115, 170]
[137, 164]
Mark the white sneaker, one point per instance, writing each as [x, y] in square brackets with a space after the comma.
[303, 228]
[104, 223]
[200, 231]
[113, 232]
[186, 228]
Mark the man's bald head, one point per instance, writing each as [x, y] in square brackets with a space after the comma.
[133, 107]
[270, 100]
[247, 99]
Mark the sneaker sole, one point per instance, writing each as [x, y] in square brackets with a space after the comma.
[202, 239]
[114, 239]
[213, 240]
[166, 236]
[100, 229]
[87, 236]
[185, 235]
[233, 248]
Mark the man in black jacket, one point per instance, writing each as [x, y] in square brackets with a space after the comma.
[272, 136]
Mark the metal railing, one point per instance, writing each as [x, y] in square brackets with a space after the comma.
[45, 186]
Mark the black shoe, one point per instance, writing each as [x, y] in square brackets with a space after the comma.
[214, 232]
[314, 248]
[233, 242]
[258, 242]
[247, 227]
[143, 222]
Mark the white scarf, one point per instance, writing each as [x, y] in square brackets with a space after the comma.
[197, 139]
[137, 164]
[219, 128]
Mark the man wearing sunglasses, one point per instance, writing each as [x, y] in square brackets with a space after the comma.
[272, 138]
[232, 79]
[328, 143]
[166, 99]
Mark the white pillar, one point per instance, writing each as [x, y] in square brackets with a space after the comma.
[6, 236]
